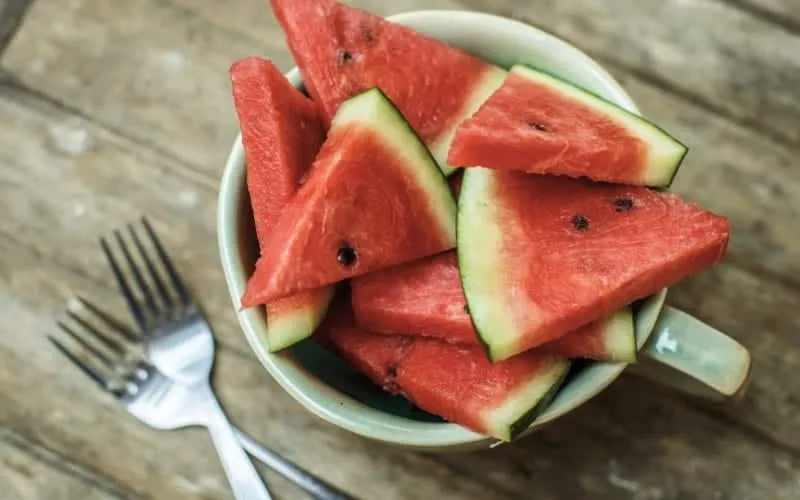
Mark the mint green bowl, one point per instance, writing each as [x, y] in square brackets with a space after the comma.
[323, 383]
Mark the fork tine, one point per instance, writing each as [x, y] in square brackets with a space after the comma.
[86, 345]
[124, 287]
[109, 320]
[107, 341]
[180, 288]
[137, 273]
[151, 268]
[86, 368]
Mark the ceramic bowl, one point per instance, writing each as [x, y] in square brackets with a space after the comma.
[323, 383]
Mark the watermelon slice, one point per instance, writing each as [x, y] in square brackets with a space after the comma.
[541, 255]
[342, 51]
[540, 124]
[374, 198]
[425, 298]
[376, 359]
[457, 383]
[281, 133]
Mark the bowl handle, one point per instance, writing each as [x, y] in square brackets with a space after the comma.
[691, 356]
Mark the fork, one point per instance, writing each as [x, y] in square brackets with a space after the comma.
[175, 335]
[160, 402]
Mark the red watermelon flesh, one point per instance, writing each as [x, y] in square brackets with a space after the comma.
[425, 298]
[536, 123]
[374, 198]
[541, 255]
[419, 298]
[457, 383]
[281, 132]
[342, 51]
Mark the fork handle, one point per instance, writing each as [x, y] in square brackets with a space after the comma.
[314, 486]
[242, 475]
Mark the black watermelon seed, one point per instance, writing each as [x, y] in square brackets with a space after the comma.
[391, 372]
[537, 126]
[581, 222]
[345, 57]
[623, 204]
[466, 309]
[346, 255]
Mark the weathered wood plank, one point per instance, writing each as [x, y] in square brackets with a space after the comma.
[782, 13]
[29, 472]
[110, 68]
[65, 182]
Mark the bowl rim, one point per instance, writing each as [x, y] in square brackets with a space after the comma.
[321, 399]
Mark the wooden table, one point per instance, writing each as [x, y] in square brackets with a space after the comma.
[113, 109]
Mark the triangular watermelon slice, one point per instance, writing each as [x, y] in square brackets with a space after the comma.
[425, 298]
[281, 132]
[456, 383]
[374, 198]
[541, 255]
[540, 124]
[342, 51]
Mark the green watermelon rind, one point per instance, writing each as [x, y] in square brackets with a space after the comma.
[522, 424]
[527, 402]
[660, 176]
[374, 103]
[502, 342]
[619, 337]
[294, 326]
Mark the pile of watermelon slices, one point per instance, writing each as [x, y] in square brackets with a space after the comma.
[471, 295]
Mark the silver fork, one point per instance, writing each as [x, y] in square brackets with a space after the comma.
[176, 337]
[158, 401]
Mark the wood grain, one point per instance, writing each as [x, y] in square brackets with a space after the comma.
[28, 474]
[782, 13]
[67, 182]
[119, 54]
